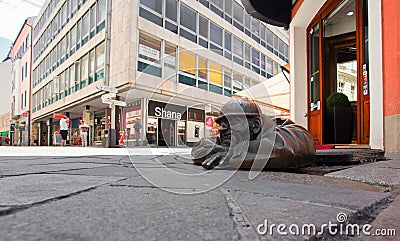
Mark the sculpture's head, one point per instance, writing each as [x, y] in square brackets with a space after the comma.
[239, 121]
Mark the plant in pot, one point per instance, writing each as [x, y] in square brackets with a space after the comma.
[338, 119]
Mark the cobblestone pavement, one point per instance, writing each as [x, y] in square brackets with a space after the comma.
[85, 194]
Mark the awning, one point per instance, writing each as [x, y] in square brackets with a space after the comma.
[272, 95]
[4, 133]
[274, 12]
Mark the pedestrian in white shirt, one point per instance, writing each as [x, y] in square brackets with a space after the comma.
[84, 128]
[64, 125]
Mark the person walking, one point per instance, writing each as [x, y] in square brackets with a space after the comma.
[138, 127]
[84, 129]
[64, 129]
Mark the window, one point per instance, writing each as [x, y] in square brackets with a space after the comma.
[203, 26]
[237, 50]
[101, 14]
[237, 82]
[84, 71]
[73, 40]
[188, 18]
[72, 79]
[215, 34]
[170, 62]
[91, 66]
[215, 73]
[171, 9]
[187, 68]
[255, 60]
[78, 34]
[247, 55]
[227, 82]
[92, 21]
[100, 59]
[155, 5]
[149, 55]
[85, 28]
[202, 68]
[217, 7]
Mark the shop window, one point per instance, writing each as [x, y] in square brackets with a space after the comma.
[149, 55]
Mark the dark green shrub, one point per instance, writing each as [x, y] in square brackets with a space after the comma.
[337, 99]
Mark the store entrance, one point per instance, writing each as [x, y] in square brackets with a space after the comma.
[166, 132]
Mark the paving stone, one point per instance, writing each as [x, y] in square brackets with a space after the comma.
[124, 213]
[380, 173]
[30, 189]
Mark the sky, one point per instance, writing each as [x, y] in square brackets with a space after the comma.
[13, 13]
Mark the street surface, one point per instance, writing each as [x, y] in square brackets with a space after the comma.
[72, 193]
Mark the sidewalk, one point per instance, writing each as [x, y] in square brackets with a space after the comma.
[92, 195]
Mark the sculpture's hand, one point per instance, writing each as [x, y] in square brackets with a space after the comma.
[214, 160]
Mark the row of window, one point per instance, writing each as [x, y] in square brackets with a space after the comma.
[232, 12]
[23, 48]
[163, 59]
[180, 19]
[86, 28]
[24, 98]
[95, 18]
[206, 33]
[85, 71]
[24, 71]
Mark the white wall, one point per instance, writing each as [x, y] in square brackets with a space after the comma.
[5, 87]
[375, 74]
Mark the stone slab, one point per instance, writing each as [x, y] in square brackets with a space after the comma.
[30, 189]
[380, 173]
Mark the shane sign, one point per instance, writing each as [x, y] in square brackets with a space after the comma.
[166, 111]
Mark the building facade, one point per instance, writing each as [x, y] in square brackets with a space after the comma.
[347, 46]
[172, 64]
[21, 59]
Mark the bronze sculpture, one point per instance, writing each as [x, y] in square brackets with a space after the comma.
[248, 139]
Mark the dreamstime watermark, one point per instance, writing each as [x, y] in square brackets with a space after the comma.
[332, 228]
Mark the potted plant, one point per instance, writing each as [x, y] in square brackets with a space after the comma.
[338, 119]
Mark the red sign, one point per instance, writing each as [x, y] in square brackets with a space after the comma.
[57, 116]
[25, 114]
[210, 121]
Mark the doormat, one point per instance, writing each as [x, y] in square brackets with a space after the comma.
[324, 147]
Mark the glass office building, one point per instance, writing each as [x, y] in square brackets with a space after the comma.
[163, 56]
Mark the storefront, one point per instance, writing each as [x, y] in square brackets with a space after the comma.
[166, 124]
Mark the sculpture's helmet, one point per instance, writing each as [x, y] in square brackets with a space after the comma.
[238, 107]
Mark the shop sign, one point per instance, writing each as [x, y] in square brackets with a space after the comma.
[365, 80]
[25, 114]
[164, 110]
[149, 52]
[58, 115]
[210, 121]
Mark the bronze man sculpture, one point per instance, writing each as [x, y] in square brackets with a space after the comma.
[250, 139]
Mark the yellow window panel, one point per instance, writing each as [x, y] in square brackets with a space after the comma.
[215, 73]
[187, 62]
